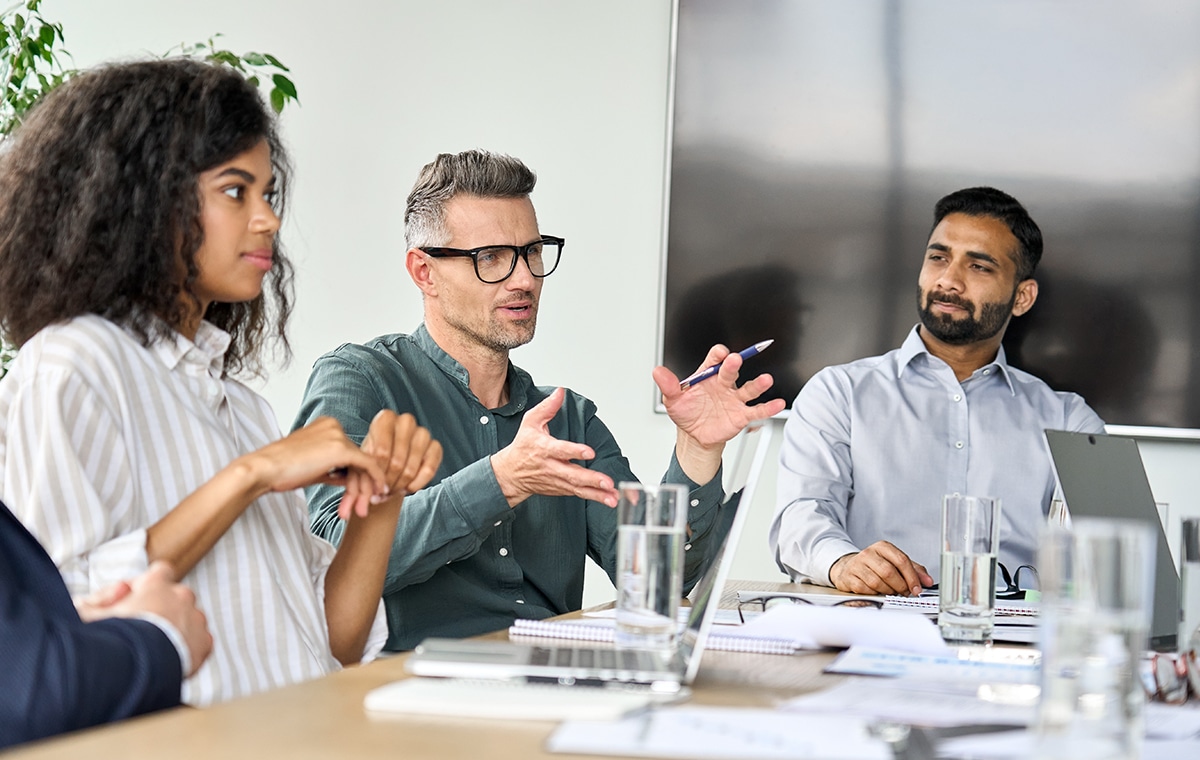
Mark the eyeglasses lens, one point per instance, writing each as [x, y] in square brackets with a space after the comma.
[497, 263]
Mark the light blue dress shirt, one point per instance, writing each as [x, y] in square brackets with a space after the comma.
[871, 447]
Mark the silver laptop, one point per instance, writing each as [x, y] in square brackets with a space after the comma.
[607, 666]
[1103, 476]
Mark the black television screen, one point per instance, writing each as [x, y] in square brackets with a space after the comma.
[810, 140]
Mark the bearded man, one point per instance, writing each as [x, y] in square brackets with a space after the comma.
[871, 447]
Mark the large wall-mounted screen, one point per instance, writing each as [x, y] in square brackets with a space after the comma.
[811, 138]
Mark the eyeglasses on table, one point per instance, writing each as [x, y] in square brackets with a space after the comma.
[764, 602]
[1012, 582]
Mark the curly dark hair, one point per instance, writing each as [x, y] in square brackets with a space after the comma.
[100, 204]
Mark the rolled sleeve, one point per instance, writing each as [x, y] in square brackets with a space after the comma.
[120, 559]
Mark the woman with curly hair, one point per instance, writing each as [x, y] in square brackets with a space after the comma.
[139, 272]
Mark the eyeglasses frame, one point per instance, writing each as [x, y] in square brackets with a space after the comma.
[761, 601]
[522, 252]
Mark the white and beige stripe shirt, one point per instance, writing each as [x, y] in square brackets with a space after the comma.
[101, 437]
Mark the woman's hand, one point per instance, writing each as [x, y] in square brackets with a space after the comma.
[320, 452]
[406, 453]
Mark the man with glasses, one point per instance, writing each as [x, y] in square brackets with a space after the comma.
[871, 447]
[526, 489]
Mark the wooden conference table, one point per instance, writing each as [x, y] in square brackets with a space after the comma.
[326, 719]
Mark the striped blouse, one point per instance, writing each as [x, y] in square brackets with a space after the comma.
[101, 437]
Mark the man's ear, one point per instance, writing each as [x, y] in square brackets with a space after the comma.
[417, 264]
[1027, 292]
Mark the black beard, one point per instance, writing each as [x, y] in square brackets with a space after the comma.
[960, 332]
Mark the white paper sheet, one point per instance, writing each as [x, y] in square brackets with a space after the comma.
[923, 704]
[813, 626]
[1020, 667]
[713, 733]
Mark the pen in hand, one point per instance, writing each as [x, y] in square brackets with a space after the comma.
[708, 372]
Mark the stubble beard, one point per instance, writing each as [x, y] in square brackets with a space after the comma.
[496, 335]
[960, 332]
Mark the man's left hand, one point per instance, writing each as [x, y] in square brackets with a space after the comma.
[710, 413]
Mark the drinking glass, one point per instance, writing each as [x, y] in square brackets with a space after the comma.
[651, 529]
[1097, 594]
[1189, 599]
[967, 590]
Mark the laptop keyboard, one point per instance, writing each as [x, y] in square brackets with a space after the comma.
[607, 659]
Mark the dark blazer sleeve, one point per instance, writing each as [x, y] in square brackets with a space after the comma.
[58, 673]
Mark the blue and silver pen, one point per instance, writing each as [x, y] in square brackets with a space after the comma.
[708, 372]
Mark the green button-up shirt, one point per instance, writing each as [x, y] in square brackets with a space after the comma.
[463, 562]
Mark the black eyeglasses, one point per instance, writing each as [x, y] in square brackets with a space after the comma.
[496, 263]
[767, 601]
[1012, 582]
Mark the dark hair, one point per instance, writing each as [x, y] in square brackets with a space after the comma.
[472, 172]
[100, 203]
[988, 201]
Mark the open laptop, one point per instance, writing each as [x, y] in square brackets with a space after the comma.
[1103, 476]
[606, 666]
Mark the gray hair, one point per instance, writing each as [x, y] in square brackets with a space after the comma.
[473, 172]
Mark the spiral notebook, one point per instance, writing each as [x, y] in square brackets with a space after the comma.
[729, 640]
[606, 666]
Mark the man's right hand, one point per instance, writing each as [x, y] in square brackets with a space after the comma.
[155, 591]
[538, 463]
[881, 568]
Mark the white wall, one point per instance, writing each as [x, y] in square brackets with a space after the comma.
[577, 89]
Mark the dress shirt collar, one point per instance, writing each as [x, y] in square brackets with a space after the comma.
[913, 347]
[519, 381]
[205, 355]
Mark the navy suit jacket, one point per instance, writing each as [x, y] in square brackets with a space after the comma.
[58, 673]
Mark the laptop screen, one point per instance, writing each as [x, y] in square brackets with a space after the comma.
[744, 474]
[1103, 476]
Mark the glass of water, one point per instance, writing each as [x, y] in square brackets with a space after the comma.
[651, 530]
[1097, 594]
[967, 590]
[1189, 598]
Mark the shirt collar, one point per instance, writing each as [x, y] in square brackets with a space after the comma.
[519, 382]
[913, 347]
[206, 354]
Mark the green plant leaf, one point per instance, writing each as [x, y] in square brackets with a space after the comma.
[46, 34]
[275, 62]
[278, 99]
[226, 57]
[285, 84]
[254, 59]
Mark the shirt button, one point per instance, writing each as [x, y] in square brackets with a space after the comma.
[497, 525]
[958, 397]
[958, 444]
[987, 372]
[687, 547]
[483, 420]
[695, 502]
[520, 601]
[504, 552]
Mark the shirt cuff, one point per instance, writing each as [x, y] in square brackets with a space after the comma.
[120, 559]
[172, 633]
[825, 555]
[476, 496]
